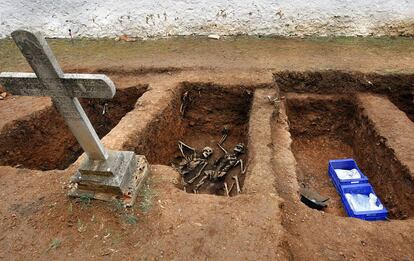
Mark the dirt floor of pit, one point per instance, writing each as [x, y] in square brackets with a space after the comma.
[37, 220]
[321, 130]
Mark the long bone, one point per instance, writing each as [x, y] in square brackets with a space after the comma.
[223, 149]
[184, 100]
[225, 134]
[198, 174]
[237, 184]
[181, 145]
[242, 170]
[226, 189]
[231, 187]
[201, 182]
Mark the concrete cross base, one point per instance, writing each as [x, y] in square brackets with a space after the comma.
[118, 177]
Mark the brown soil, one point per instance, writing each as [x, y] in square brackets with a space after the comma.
[266, 221]
[321, 131]
[334, 127]
[383, 157]
[398, 87]
[43, 141]
[207, 109]
[312, 155]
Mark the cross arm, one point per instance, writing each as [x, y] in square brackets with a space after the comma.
[75, 85]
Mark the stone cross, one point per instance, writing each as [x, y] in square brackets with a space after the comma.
[63, 88]
[102, 174]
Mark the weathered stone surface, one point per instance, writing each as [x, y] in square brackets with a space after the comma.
[119, 177]
[189, 17]
[74, 85]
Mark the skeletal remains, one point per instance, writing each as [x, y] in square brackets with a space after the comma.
[192, 161]
[195, 165]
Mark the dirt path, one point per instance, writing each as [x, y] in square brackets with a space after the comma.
[361, 54]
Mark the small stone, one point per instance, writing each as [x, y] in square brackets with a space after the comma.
[363, 243]
[126, 38]
[3, 94]
[214, 36]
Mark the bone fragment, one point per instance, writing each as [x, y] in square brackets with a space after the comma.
[227, 189]
[237, 184]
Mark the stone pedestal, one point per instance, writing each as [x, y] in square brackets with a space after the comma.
[118, 177]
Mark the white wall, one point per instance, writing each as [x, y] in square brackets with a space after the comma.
[154, 18]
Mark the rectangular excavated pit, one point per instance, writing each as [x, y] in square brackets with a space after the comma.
[325, 127]
[43, 141]
[207, 109]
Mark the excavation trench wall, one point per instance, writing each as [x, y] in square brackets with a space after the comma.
[384, 147]
[398, 87]
[43, 141]
[366, 127]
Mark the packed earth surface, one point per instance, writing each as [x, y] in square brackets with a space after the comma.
[294, 103]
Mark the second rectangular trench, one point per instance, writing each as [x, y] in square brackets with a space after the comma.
[326, 127]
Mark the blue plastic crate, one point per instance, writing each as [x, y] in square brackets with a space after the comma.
[344, 164]
[366, 189]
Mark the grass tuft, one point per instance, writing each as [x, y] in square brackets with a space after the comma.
[54, 244]
[131, 219]
[85, 200]
[147, 195]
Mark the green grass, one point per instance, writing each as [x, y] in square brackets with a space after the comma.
[383, 42]
[54, 244]
[81, 227]
[70, 208]
[85, 201]
[118, 206]
[131, 219]
[147, 196]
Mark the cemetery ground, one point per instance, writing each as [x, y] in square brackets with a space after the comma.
[343, 97]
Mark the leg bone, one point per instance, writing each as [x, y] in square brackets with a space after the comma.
[198, 174]
[226, 189]
[237, 184]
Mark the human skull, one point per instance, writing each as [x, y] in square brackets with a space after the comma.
[207, 151]
[239, 148]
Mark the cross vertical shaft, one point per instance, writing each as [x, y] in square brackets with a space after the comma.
[40, 57]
